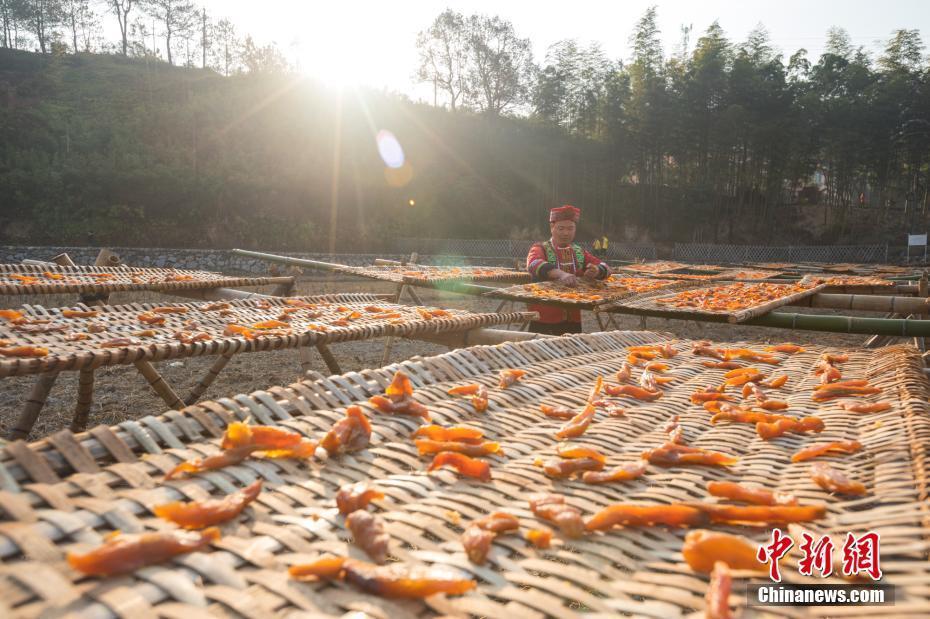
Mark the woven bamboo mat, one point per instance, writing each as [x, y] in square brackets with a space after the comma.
[656, 304]
[65, 493]
[772, 266]
[889, 269]
[424, 275]
[116, 335]
[738, 275]
[854, 283]
[586, 295]
[652, 267]
[19, 279]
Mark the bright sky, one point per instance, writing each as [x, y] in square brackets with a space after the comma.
[372, 42]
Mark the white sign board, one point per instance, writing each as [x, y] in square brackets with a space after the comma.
[916, 240]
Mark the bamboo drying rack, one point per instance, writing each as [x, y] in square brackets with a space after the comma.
[648, 305]
[609, 292]
[898, 324]
[67, 492]
[106, 280]
[313, 327]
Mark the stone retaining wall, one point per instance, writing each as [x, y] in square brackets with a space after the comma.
[221, 260]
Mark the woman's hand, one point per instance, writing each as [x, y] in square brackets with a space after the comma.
[563, 277]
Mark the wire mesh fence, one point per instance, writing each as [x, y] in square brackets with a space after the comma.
[694, 252]
[508, 248]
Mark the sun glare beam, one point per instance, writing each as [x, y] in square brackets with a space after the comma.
[339, 51]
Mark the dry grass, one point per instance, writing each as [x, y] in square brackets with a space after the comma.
[121, 393]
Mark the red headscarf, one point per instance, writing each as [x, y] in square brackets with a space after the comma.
[564, 213]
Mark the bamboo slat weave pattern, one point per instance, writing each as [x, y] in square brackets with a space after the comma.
[19, 279]
[115, 334]
[748, 274]
[663, 304]
[424, 275]
[67, 492]
[653, 267]
[851, 282]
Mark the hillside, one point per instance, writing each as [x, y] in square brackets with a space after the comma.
[102, 149]
[144, 153]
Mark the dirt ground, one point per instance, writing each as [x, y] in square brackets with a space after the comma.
[121, 393]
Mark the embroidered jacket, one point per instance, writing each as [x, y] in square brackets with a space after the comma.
[543, 257]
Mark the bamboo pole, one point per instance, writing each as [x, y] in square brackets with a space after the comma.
[63, 259]
[84, 400]
[477, 337]
[306, 359]
[34, 403]
[301, 262]
[158, 383]
[389, 341]
[105, 258]
[866, 303]
[284, 289]
[208, 379]
[224, 294]
[331, 363]
[844, 324]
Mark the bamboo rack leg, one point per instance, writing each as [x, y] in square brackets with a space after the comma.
[34, 404]
[105, 258]
[158, 383]
[284, 289]
[388, 345]
[504, 306]
[413, 295]
[389, 341]
[600, 321]
[207, 380]
[331, 363]
[306, 359]
[612, 323]
[84, 400]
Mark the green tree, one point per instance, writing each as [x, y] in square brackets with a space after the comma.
[501, 69]
[81, 20]
[13, 13]
[444, 55]
[176, 18]
[42, 17]
[224, 47]
[122, 8]
[263, 59]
